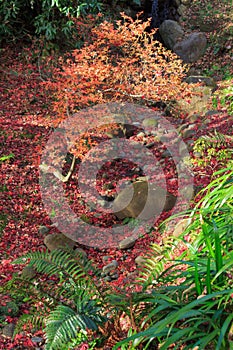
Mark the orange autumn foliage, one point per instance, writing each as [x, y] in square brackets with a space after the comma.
[120, 62]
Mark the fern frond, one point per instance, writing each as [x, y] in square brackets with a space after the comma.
[73, 275]
[155, 267]
[216, 139]
[58, 262]
[64, 323]
[24, 259]
[32, 320]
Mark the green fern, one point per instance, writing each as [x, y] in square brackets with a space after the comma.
[64, 323]
[57, 262]
[74, 273]
[74, 305]
[37, 321]
[155, 267]
[216, 139]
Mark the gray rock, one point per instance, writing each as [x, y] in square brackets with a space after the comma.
[188, 133]
[191, 48]
[194, 71]
[8, 330]
[190, 144]
[166, 154]
[107, 279]
[171, 32]
[28, 272]
[141, 134]
[58, 240]
[150, 145]
[114, 276]
[182, 127]
[127, 243]
[110, 267]
[148, 200]
[208, 81]
[193, 118]
[187, 192]
[80, 253]
[210, 113]
[164, 138]
[43, 230]
[114, 262]
[37, 340]
[183, 150]
[198, 103]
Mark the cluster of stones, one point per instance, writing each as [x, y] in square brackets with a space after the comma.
[166, 15]
[189, 47]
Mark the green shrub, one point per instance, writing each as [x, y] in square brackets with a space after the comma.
[187, 300]
[224, 96]
[50, 18]
[211, 148]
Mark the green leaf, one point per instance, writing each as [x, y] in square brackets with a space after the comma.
[196, 278]
[208, 277]
[9, 156]
[223, 331]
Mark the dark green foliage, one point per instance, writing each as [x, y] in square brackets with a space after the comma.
[72, 302]
[10, 309]
[63, 322]
[189, 299]
[50, 18]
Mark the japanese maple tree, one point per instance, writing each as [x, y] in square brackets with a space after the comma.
[118, 62]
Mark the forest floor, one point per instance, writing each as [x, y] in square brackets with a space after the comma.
[26, 124]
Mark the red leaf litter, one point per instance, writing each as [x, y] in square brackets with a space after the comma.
[26, 121]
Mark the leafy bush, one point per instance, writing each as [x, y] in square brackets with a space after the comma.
[224, 96]
[50, 18]
[211, 148]
[119, 62]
